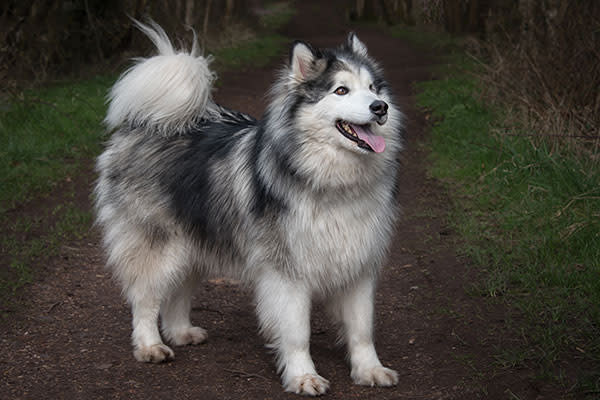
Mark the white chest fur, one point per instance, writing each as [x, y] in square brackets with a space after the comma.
[334, 242]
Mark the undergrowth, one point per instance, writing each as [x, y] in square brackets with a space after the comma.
[529, 213]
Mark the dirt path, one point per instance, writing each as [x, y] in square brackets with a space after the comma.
[73, 339]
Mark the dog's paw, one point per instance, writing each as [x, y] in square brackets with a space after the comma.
[308, 385]
[191, 335]
[156, 353]
[376, 376]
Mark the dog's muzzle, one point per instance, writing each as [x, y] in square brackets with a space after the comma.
[379, 108]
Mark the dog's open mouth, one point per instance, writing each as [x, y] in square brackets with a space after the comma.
[361, 135]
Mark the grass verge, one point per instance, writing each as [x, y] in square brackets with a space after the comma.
[33, 241]
[50, 134]
[276, 15]
[47, 132]
[530, 218]
[254, 53]
[257, 50]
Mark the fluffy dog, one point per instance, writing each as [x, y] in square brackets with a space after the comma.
[300, 204]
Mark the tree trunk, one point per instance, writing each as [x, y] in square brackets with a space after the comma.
[452, 16]
[206, 17]
[229, 6]
[404, 11]
[474, 17]
[189, 13]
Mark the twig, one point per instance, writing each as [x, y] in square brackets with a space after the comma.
[459, 339]
[53, 306]
[582, 196]
[244, 374]
[207, 309]
[483, 176]
[514, 396]
[557, 135]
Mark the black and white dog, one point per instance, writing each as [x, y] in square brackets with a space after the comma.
[300, 205]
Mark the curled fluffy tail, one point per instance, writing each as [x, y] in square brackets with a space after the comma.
[167, 92]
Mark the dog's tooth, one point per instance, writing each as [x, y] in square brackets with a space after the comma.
[347, 128]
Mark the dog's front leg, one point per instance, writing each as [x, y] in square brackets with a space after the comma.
[354, 307]
[283, 309]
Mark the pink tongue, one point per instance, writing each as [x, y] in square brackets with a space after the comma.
[377, 143]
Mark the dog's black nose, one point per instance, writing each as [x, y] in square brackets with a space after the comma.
[379, 108]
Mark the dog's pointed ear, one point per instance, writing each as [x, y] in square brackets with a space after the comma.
[304, 61]
[356, 45]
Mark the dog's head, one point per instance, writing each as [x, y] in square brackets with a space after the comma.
[331, 117]
[340, 97]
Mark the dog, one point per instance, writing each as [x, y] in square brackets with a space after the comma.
[300, 204]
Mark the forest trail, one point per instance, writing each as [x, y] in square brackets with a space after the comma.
[73, 339]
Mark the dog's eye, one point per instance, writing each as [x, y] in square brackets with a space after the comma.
[342, 90]
[372, 88]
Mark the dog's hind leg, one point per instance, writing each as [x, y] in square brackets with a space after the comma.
[145, 306]
[353, 307]
[175, 316]
[148, 273]
[283, 309]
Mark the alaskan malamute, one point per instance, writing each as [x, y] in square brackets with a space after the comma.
[300, 204]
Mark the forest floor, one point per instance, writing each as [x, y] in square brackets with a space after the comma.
[71, 338]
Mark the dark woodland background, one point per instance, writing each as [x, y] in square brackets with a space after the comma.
[545, 50]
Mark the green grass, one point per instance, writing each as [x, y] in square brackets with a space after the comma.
[260, 50]
[276, 15]
[32, 241]
[530, 218]
[255, 53]
[45, 135]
